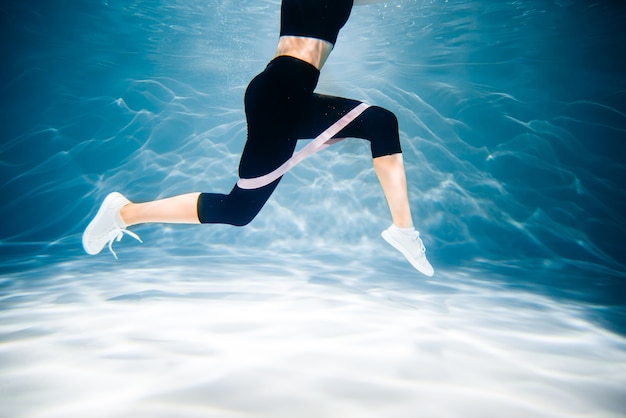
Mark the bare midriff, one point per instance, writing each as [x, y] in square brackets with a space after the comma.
[312, 50]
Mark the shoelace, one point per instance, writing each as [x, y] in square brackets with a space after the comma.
[419, 240]
[119, 234]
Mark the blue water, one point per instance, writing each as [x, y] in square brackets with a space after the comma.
[513, 124]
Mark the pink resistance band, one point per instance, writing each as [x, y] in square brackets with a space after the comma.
[323, 140]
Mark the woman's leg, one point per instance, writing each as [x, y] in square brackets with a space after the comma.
[117, 213]
[238, 208]
[380, 128]
[272, 102]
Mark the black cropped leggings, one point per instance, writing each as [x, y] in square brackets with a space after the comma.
[282, 108]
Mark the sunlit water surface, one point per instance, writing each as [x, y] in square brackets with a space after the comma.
[513, 120]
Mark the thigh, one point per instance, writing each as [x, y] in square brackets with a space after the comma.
[377, 125]
[320, 112]
[269, 143]
[273, 108]
[273, 130]
[264, 153]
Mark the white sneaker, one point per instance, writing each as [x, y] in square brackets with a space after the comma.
[410, 245]
[107, 226]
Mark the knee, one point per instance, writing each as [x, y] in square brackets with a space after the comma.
[382, 120]
[233, 209]
[244, 218]
[382, 127]
[245, 205]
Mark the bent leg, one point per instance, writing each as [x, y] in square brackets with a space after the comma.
[380, 127]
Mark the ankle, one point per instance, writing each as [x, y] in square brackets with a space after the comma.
[410, 231]
[124, 216]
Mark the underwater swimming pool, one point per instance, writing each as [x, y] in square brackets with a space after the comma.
[513, 121]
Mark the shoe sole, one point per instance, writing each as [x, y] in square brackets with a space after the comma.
[395, 244]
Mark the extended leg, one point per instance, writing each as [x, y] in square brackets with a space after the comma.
[237, 208]
[117, 213]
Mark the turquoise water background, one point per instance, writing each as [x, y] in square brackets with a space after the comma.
[513, 125]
